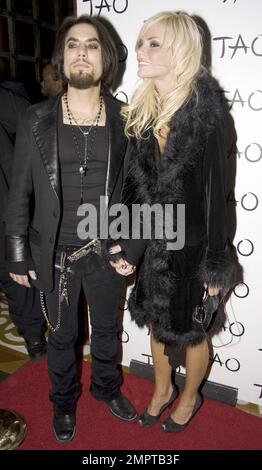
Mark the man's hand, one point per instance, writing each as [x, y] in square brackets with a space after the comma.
[23, 280]
[121, 266]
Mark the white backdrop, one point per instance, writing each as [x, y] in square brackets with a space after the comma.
[236, 41]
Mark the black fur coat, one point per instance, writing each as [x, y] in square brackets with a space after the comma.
[191, 171]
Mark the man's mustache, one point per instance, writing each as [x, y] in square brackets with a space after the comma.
[81, 62]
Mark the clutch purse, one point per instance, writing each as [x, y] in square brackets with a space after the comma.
[204, 314]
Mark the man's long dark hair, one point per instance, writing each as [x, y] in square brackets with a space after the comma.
[109, 52]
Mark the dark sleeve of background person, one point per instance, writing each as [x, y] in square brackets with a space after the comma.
[13, 101]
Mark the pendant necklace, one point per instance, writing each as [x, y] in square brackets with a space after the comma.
[87, 145]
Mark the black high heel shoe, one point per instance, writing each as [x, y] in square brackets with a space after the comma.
[145, 419]
[171, 426]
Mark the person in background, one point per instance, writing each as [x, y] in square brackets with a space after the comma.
[24, 304]
[70, 150]
[176, 156]
[51, 84]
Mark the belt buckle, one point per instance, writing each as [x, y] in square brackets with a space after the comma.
[96, 248]
[93, 246]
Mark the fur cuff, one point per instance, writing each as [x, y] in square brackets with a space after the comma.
[217, 270]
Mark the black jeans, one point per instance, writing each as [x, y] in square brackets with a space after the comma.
[101, 285]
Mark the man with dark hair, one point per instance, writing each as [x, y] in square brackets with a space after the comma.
[70, 151]
[23, 304]
[51, 84]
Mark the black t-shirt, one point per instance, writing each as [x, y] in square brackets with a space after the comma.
[93, 181]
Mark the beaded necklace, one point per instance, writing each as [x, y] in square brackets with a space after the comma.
[87, 145]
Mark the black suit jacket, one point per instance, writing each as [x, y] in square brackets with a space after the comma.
[34, 207]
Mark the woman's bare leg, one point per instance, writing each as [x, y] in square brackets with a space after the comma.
[162, 370]
[197, 358]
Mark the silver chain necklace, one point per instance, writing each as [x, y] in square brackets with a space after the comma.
[94, 122]
[87, 148]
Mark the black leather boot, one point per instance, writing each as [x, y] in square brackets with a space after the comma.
[64, 426]
[122, 408]
[36, 348]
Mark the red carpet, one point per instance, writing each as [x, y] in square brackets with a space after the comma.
[216, 426]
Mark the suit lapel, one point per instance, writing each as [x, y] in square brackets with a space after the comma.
[45, 133]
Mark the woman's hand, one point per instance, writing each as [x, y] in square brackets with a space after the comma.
[121, 266]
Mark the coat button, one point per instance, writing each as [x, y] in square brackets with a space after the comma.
[55, 215]
[51, 240]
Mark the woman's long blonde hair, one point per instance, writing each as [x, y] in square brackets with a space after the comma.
[147, 109]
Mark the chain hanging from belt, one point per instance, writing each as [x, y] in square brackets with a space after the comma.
[63, 294]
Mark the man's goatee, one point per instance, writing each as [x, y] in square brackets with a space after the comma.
[82, 80]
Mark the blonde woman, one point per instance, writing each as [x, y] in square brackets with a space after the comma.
[176, 150]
